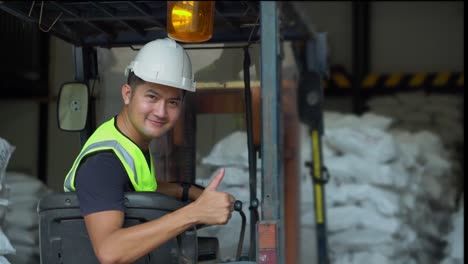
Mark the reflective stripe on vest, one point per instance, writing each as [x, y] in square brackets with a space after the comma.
[110, 144]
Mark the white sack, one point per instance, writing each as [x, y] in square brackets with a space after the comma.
[346, 168]
[26, 250]
[409, 152]
[21, 184]
[23, 236]
[456, 238]
[5, 154]
[436, 165]
[333, 120]
[308, 243]
[308, 214]
[230, 151]
[24, 219]
[23, 203]
[3, 260]
[353, 169]
[5, 245]
[379, 122]
[307, 193]
[382, 201]
[337, 120]
[348, 217]
[396, 113]
[429, 142]
[361, 257]
[25, 255]
[367, 142]
[356, 239]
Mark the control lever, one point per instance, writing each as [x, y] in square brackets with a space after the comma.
[238, 208]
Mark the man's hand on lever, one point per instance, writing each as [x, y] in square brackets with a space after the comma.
[214, 207]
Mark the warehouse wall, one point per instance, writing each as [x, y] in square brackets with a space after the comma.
[405, 36]
[19, 127]
[417, 36]
[335, 18]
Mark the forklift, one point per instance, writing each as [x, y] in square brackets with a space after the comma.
[274, 232]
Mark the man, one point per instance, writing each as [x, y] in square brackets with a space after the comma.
[116, 159]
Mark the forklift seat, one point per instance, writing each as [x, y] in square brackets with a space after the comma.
[63, 237]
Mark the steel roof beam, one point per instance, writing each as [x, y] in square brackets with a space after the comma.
[109, 13]
[62, 7]
[114, 18]
[145, 11]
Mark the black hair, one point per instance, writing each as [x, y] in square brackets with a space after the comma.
[134, 80]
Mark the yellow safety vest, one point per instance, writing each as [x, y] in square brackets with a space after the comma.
[107, 137]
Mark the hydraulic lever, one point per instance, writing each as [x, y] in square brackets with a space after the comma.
[238, 208]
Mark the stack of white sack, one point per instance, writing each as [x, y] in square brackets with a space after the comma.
[21, 219]
[416, 111]
[390, 192]
[6, 150]
[231, 154]
[389, 198]
[440, 114]
[5, 248]
[455, 248]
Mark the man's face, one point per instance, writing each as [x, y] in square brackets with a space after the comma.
[153, 109]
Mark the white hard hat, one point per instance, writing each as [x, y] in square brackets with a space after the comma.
[165, 62]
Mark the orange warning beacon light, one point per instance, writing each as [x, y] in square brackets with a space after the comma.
[190, 21]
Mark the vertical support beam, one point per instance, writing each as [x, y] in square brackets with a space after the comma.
[272, 224]
[78, 61]
[43, 141]
[80, 77]
[85, 66]
[360, 51]
[43, 111]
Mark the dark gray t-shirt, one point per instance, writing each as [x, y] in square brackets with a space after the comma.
[101, 182]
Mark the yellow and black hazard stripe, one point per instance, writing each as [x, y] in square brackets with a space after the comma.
[420, 80]
[372, 82]
[339, 80]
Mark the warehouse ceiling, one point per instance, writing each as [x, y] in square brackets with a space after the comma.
[123, 23]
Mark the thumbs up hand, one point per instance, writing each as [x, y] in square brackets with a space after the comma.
[214, 207]
[213, 185]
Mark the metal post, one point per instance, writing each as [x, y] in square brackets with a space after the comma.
[311, 111]
[270, 231]
[42, 157]
[80, 77]
[84, 65]
[361, 51]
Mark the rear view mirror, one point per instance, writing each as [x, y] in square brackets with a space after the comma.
[72, 106]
